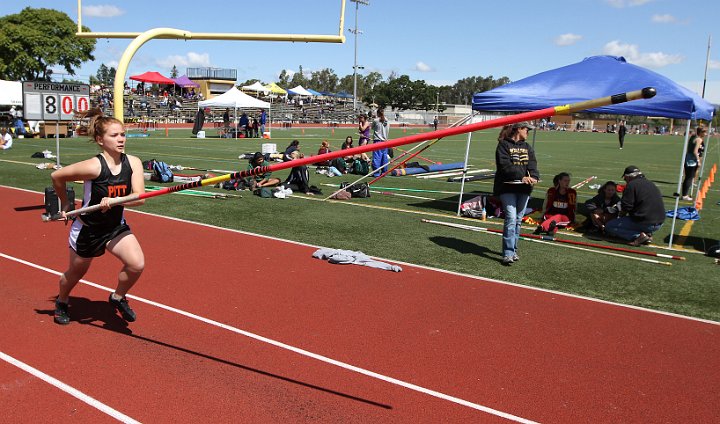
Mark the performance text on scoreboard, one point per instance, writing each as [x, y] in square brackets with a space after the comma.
[54, 101]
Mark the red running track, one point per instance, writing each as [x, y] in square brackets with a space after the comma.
[537, 355]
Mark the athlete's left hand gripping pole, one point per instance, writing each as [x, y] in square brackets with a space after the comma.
[645, 93]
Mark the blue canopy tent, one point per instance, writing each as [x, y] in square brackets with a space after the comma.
[313, 92]
[594, 77]
[344, 95]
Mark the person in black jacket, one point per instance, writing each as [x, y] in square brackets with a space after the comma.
[642, 207]
[604, 207]
[622, 130]
[514, 179]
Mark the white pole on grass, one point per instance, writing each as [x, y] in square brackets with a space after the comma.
[464, 173]
[680, 178]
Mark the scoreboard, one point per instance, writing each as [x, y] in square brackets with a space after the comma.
[54, 101]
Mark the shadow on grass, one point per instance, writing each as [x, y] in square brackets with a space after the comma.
[466, 247]
[700, 244]
[101, 314]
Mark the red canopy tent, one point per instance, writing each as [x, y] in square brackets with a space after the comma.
[152, 77]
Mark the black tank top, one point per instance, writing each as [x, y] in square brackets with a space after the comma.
[107, 185]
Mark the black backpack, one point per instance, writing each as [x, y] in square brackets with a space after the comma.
[357, 190]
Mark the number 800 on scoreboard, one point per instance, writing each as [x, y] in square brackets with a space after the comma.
[54, 101]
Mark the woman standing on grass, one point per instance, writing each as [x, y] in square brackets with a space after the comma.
[363, 130]
[109, 174]
[692, 161]
[514, 179]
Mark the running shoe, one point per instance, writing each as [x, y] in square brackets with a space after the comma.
[125, 310]
[61, 313]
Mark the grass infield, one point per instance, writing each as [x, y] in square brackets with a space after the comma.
[390, 226]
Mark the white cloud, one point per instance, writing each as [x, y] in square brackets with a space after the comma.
[664, 19]
[626, 3]
[423, 67]
[567, 39]
[632, 54]
[191, 59]
[102, 11]
[714, 64]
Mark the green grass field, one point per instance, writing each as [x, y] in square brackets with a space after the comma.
[390, 227]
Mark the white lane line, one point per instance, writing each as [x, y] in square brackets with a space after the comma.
[69, 389]
[297, 350]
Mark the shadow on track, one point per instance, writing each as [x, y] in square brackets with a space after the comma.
[100, 314]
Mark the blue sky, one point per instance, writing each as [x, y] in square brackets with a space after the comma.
[439, 42]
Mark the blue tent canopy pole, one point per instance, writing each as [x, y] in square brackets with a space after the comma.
[679, 186]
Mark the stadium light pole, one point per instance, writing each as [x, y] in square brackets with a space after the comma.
[355, 31]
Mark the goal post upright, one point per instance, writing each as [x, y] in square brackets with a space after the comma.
[140, 38]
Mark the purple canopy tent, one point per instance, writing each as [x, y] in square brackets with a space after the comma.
[185, 82]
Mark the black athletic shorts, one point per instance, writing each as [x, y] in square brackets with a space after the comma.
[90, 242]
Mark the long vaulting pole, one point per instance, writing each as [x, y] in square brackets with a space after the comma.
[644, 93]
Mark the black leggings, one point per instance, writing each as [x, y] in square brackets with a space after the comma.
[690, 172]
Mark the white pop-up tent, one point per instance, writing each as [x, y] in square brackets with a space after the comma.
[236, 99]
[10, 93]
[299, 91]
[256, 87]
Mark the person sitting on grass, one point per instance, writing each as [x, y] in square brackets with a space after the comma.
[604, 207]
[6, 140]
[324, 148]
[642, 210]
[259, 181]
[559, 207]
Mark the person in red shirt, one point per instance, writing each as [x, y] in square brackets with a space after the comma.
[560, 205]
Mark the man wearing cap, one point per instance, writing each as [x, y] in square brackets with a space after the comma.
[642, 207]
[514, 179]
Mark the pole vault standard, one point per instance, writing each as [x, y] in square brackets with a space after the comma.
[645, 93]
[550, 240]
